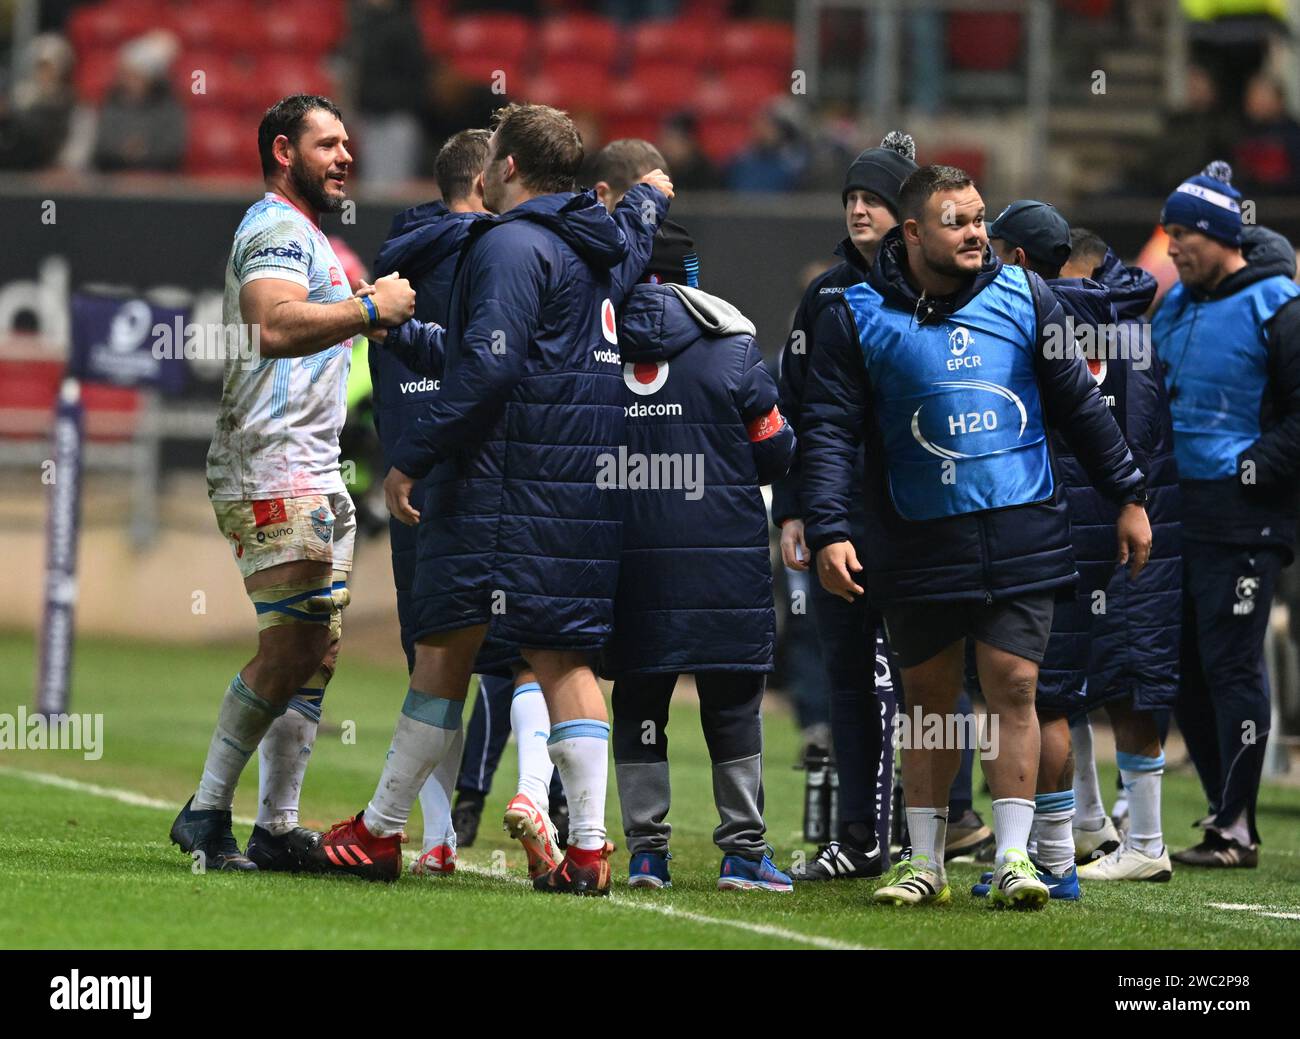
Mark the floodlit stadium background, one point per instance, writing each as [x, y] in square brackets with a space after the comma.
[128, 153]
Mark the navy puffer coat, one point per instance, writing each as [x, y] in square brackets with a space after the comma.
[695, 588]
[514, 530]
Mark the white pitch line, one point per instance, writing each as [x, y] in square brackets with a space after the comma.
[1277, 914]
[130, 797]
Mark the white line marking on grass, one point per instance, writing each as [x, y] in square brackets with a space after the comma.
[1278, 914]
[769, 930]
[130, 797]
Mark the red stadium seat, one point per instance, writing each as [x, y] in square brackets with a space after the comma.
[228, 81]
[676, 41]
[972, 160]
[278, 75]
[487, 70]
[660, 88]
[435, 25]
[219, 25]
[299, 27]
[644, 127]
[979, 42]
[102, 27]
[506, 38]
[584, 38]
[221, 142]
[752, 88]
[723, 138]
[93, 75]
[756, 42]
[571, 85]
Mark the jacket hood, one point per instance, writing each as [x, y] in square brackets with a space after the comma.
[888, 277]
[1083, 299]
[1267, 254]
[580, 220]
[1131, 289]
[422, 237]
[660, 321]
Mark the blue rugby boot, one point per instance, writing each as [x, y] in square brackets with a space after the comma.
[1064, 888]
[741, 874]
[649, 869]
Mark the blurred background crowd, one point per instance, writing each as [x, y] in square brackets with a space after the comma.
[746, 95]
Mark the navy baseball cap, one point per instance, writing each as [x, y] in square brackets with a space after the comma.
[1037, 228]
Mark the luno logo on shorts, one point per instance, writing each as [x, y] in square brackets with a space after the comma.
[263, 536]
[322, 522]
[645, 377]
[607, 327]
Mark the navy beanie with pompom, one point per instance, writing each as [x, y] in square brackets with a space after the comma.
[1207, 203]
[882, 170]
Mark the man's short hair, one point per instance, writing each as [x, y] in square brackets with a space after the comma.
[459, 161]
[927, 181]
[545, 143]
[288, 116]
[1088, 247]
[621, 163]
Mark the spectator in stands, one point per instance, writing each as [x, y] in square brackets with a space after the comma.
[1267, 154]
[141, 124]
[680, 144]
[1191, 136]
[778, 155]
[389, 70]
[35, 117]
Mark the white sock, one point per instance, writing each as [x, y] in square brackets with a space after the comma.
[1012, 819]
[241, 723]
[1050, 833]
[531, 725]
[1141, 779]
[435, 797]
[580, 750]
[282, 759]
[425, 734]
[928, 828]
[1089, 811]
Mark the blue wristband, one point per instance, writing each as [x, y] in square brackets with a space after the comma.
[371, 309]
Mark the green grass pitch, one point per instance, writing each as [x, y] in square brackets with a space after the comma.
[88, 869]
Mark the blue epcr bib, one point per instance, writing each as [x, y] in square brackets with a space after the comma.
[957, 401]
[1216, 370]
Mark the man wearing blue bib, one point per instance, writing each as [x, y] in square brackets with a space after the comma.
[1229, 336]
[952, 368]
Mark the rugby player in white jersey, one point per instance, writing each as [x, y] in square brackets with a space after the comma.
[275, 481]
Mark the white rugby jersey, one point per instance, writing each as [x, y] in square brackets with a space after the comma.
[278, 427]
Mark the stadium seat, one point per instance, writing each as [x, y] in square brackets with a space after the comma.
[220, 25]
[303, 28]
[229, 81]
[980, 42]
[570, 85]
[676, 41]
[721, 139]
[658, 88]
[646, 127]
[483, 71]
[753, 43]
[972, 160]
[221, 142]
[579, 37]
[93, 75]
[431, 16]
[750, 89]
[102, 27]
[506, 38]
[278, 75]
